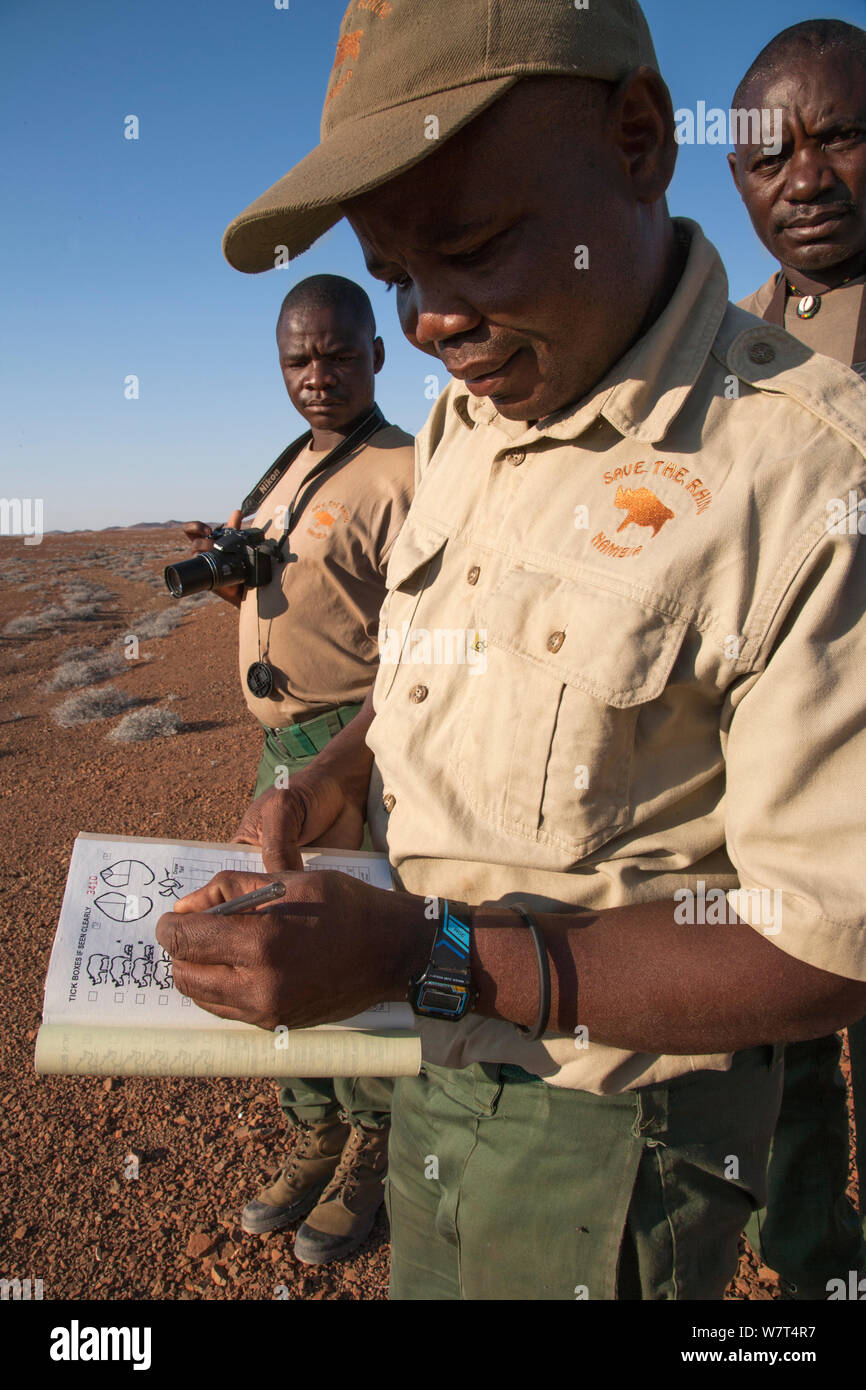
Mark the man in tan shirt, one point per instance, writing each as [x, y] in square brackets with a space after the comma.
[615, 504]
[807, 203]
[308, 656]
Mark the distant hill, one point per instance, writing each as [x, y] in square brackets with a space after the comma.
[136, 526]
[145, 526]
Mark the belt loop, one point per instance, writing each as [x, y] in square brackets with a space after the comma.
[301, 736]
[652, 1111]
[346, 713]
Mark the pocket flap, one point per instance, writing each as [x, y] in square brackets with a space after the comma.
[613, 647]
[416, 544]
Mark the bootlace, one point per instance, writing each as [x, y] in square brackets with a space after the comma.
[308, 1148]
[355, 1162]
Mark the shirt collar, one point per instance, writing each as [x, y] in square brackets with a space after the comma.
[645, 390]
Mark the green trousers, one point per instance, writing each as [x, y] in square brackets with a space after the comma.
[809, 1231]
[288, 750]
[365, 1100]
[502, 1187]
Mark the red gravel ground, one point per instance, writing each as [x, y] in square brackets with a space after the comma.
[69, 1215]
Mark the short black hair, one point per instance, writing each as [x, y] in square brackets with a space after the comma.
[330, 292]
[812, 37]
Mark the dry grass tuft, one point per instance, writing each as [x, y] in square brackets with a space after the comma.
[144, 724]
[91, 704]
[23, 626]
[96, 666]
[82, 591]
[151, 625]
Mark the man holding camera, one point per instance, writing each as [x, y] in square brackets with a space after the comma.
[330, 510]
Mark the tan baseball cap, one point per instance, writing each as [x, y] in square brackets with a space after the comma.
[408, 74]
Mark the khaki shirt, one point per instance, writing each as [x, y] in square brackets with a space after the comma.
[315, 623]
[668, 655]
[833, 330]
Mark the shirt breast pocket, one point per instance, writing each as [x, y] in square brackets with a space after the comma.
[413, 565]
[547, 730]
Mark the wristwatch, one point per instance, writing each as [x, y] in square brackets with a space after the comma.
[444, 988]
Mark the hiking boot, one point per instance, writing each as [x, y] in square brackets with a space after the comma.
[345, 1212]
[301, 1180]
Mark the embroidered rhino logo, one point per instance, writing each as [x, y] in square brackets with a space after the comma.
[643, 508]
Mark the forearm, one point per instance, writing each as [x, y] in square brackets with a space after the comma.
[636, 979]
[347, 759]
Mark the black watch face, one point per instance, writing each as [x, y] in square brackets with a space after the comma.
[260, 679]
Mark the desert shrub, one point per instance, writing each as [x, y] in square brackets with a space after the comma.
[95, 667]
[91, 704]
[81, 653]
[23, 626]
[82, 591]
[47, 617]
[82, 612]
[36, 622]
[158, 624]
[144, 724]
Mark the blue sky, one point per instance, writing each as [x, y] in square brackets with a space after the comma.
[111, 247]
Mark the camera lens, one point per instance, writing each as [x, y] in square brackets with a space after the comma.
[191, 576]
[212, 569]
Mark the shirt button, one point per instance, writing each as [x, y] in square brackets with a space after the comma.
[472, 575]
[761, 353]
[515, 458]
[389, 802]
[555, 641]
[418, 693]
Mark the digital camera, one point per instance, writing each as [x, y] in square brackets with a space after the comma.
[238, 557]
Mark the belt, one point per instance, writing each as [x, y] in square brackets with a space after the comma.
[311, 736]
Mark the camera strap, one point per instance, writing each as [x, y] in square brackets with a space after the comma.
[260, 676]
[374, 420]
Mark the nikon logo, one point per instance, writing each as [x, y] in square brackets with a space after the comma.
[21, 1289]
[76, 1343]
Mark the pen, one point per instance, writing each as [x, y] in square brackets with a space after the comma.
[260, 895]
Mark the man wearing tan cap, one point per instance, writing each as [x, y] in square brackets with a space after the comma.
[807, 202]
[615, 496]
